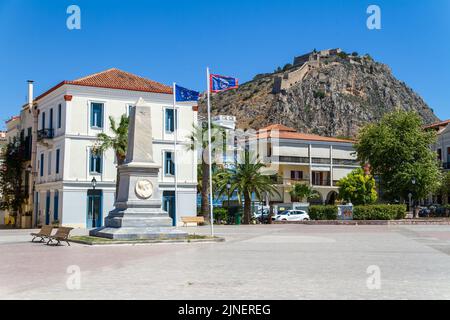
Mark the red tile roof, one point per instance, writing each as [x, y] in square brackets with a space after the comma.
[12, 119]
[436, 125]
[115, 79]
[290, 133]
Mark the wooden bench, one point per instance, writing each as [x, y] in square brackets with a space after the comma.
[45, 232]
[195, 220]
[61, 235]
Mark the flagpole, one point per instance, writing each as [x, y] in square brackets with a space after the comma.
[175, 150]
[211, 206]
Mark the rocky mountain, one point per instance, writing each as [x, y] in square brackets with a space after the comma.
[328, 92]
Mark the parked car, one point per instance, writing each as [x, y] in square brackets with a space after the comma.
[424, 212]
[262, 217]
[292, 215]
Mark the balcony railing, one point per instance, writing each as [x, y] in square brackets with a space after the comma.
[346, 162]
[323, 182]
[45, 134]
[321, 160]
[292, 159]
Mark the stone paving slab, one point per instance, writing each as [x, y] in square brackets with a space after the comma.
[256, 262]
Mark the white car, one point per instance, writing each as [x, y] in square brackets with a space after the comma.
[292, 215]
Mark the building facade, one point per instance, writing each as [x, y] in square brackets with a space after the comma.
[305, 158]
[442, 149]
[68, 119]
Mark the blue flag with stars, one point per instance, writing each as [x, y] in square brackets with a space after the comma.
[183, 94]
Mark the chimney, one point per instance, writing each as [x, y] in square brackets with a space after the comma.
[30, 92]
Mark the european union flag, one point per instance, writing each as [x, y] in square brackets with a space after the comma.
[183, 94]
[221, 83]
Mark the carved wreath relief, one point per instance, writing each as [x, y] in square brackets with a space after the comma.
[144, 189]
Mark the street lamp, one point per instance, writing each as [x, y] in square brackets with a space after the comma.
[413, 181]
[228, 206]
[93, 183]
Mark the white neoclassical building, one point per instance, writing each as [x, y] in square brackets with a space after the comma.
[71, 115]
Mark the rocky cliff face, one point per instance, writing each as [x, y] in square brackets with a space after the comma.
[332, 95]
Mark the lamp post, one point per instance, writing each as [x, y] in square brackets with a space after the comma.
[413, 181]
[228, 193]
[94, 185]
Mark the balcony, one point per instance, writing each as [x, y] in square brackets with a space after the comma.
[290, 159]
[45, 134]
[322, 182]
[321, 160]
[346, 162]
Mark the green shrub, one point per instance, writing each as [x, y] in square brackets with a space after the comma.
[342, 55]
[220, 215]
[323, 212]
[319, 94]
[379, 212]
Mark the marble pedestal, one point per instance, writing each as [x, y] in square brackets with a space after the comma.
[138, 213]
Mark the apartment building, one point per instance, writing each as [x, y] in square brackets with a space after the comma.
[442, 145]
[305, 158]
[3, 142]
[68, 118]
[442, 149]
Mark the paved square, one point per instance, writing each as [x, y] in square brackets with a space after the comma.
[256, 262]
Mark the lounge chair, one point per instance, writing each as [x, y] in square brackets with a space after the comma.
[45, 232]
[61, 235]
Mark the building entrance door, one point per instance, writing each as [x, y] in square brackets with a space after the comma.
[169, 205]
[94, 209]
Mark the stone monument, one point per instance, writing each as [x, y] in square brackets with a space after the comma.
[138, 213]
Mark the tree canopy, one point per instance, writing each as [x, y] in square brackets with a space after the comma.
[11, 177]
[358, 187]
[398, 150]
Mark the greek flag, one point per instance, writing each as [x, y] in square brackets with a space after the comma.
[183, 94]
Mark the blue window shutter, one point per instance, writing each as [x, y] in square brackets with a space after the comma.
[50, 125]
[99, 164]
[92, 115]
[56, 206]
[42, 165]
[167, 162]
[167, 120]
[101, 116]
[59, 116]
[43, 121]
[57, 160]
[91, 161]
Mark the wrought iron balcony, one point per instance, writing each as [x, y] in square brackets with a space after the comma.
[45, 134]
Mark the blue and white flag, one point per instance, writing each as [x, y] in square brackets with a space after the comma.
[221, 83]
[183, 94]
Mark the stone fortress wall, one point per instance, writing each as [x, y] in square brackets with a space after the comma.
[301, 66]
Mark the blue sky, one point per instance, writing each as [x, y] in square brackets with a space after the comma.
[175, 40]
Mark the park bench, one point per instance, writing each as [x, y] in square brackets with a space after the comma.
[45, 232]
[195, 220]
[61, 235]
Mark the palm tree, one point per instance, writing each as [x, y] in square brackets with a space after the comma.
[303, 192]
[247, 179]
[199, 138]
[118, 142]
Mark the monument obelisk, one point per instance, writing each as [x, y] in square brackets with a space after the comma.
[138, 213]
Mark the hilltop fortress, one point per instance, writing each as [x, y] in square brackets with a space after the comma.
[301, 66]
